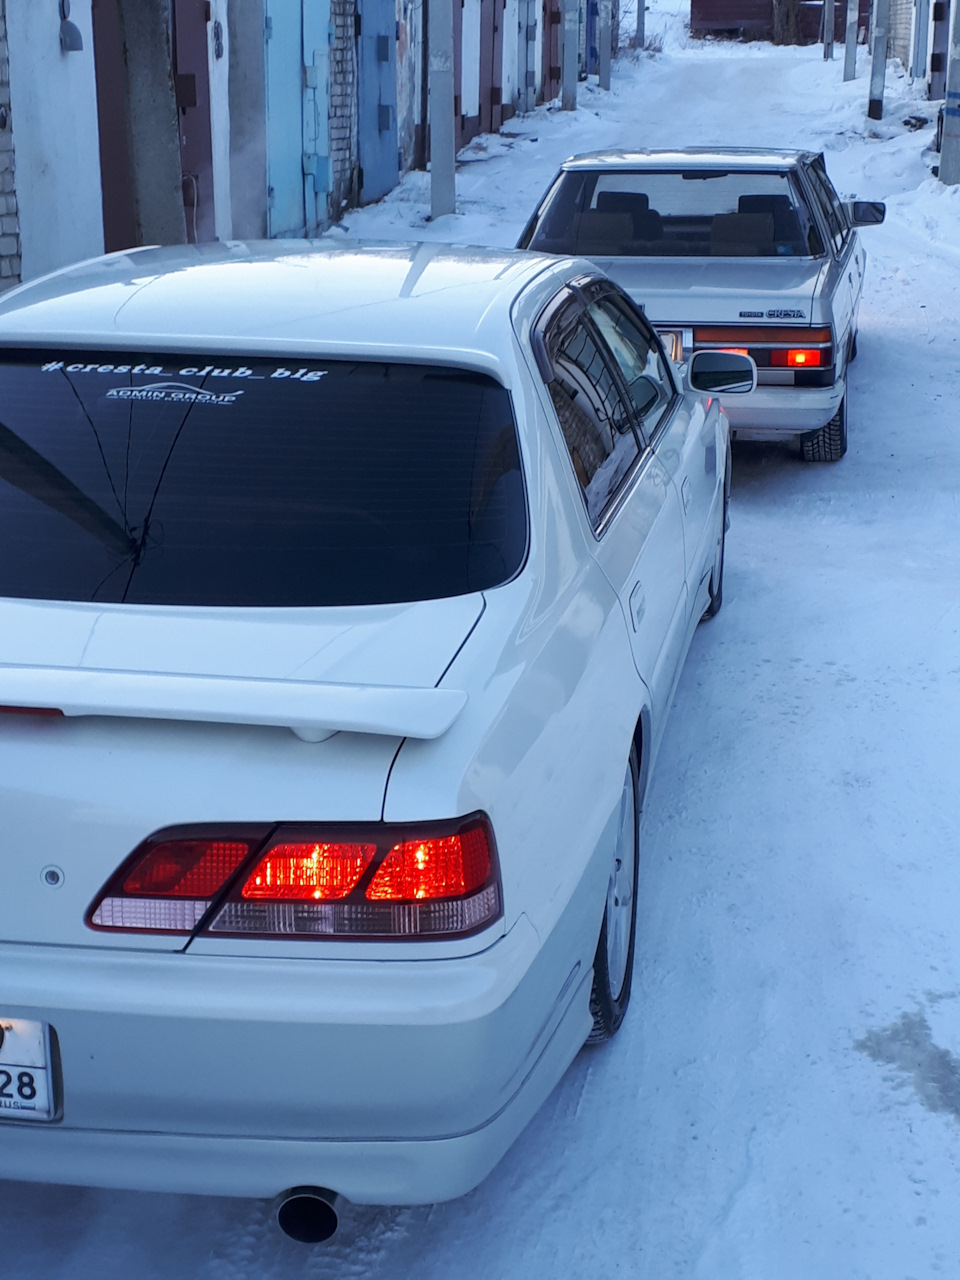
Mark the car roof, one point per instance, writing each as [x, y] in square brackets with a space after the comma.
[397, 300]
[691, 158]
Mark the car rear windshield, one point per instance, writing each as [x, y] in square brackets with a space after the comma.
[682, 214]
[213, 480]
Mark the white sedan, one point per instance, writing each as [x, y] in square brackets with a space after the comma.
[343, 597]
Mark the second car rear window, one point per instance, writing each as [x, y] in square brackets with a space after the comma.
[214, 480]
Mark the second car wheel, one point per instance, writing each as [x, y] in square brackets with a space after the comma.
[829, 444]
[613, 964]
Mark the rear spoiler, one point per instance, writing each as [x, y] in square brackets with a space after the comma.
[312, 711]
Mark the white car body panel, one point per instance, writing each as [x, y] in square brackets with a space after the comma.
[522, 701]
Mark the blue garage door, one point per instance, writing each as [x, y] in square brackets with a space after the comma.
[377, 57]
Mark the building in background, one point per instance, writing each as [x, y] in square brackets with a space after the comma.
[134, 122]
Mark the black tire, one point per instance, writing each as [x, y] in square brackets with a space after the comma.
[608, 1005]
[829, 444]
[716, 574]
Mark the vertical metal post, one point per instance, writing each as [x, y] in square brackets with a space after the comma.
[829, 21]
[950, 145]
[443, 156]
[878, 65]
[850, 40]
[921, 39]
[570, 54]
[528, 94]
[641, 39]
[606, 30]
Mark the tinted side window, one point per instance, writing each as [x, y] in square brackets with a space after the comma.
[152, 479]
[830, 205]
[594, 419]
[640, 360]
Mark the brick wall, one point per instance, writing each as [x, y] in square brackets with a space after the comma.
[900, 30]
[9, 218]
[343, 107]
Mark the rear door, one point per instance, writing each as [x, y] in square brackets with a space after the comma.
[843, 281]
[629, 499]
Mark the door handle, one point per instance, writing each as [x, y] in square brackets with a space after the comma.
[686, 492]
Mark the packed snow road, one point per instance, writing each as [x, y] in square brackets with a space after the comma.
[784, 1098]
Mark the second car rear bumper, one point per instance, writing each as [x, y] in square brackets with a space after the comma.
[775, 413]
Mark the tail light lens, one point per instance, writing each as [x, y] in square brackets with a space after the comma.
[168, 884]
[373, 881]
[308, 872]
[797, 358]
[772, 346]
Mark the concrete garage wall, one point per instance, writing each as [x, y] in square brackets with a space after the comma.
[53, 101]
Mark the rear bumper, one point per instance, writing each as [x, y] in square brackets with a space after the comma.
[776, 413]
[388, 1082]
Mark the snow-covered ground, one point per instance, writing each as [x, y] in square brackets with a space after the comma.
[783, 1102]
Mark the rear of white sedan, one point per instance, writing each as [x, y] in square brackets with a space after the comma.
[325, 705]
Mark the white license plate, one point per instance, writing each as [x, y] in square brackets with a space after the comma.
[25, 1092]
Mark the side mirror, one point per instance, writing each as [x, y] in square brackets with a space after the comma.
[865, 213]
[721, 372]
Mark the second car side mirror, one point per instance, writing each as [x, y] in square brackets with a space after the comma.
[725, 372]
[865, 213]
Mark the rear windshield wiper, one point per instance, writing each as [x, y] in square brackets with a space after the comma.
[33, 474]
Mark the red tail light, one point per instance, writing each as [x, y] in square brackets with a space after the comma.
[797, 358]
[772, 346]
[30, 711]
[167, 885]
[186, 868]
[444, 868]
[308, 872]
[377, 880]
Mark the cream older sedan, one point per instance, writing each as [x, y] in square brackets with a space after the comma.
[344, 593]
[731, 248]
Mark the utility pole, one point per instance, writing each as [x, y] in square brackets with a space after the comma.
[878, 65]
[443, 152]
[606, 26]
[570, 56]
[829, 21]
[641, 39]
[950, 144]
[850, 40]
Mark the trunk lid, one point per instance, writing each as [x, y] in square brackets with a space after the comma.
[710, 291]
[197, 701]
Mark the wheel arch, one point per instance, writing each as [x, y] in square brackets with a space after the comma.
[642, 739]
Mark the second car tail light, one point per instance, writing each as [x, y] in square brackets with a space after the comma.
[771, 346]
[797, 358]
